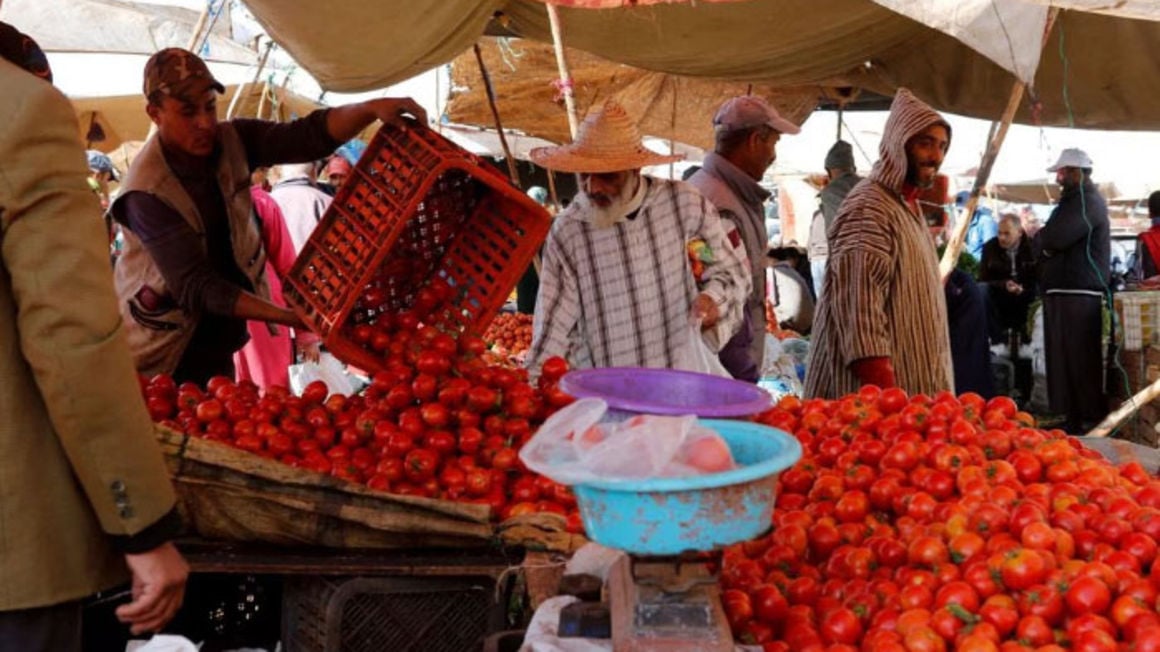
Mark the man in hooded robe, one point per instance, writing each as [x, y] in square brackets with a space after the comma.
[884, 318]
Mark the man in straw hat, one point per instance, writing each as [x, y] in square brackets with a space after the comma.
[616, 287]
[883, 317]
[1073, 250]
[193, 269]
[746, 131]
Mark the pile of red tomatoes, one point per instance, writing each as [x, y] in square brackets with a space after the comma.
[510, 333]
[927, 524]
[439, 421]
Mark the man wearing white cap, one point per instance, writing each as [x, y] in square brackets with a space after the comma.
[746, 130]
[616, 286]
[1073, 250]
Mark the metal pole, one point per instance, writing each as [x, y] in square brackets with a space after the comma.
[998, 134]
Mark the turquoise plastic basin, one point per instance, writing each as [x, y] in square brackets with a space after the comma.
[668, 516]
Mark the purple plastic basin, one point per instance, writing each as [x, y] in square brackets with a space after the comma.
[667, 391]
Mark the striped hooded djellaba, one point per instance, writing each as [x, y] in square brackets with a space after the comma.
[882, 294]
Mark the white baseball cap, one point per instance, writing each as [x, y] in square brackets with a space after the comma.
[1072, 157]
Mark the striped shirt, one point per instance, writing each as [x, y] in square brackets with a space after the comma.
[621, 296]
[882, 294]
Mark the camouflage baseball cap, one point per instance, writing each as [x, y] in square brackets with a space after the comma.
[178, 73]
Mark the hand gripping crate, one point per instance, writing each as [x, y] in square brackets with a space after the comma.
[417, 207]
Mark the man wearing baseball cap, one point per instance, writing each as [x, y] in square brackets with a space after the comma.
[1073, 250]
[192, 272]
[746, 131]
[101, 173]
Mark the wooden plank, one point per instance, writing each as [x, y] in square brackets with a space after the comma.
[205, 556]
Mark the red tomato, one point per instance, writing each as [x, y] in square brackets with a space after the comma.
[1088, 595]
[554, 368]
[769, 605]
[419, 465]
[841, 626]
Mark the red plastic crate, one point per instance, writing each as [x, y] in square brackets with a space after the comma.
[416, 207]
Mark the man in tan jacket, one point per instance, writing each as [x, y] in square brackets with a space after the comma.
[86, 502]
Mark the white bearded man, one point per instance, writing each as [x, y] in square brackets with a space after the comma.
[617, 287]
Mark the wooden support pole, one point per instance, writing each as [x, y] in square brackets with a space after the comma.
[1129, 407]
[262, 102]
[552, 190]
[994, 144]
[513, 170]
[242, 88]
[562, 67]
[195, 37]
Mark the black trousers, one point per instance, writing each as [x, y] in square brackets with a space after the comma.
[45, 629]
[1006, 311]
[1071, 328]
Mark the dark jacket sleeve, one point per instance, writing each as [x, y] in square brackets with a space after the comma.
[1064, 228]
[1025, 266]
[298, 141]
[179, 254]
[167, 528]
[991, 267]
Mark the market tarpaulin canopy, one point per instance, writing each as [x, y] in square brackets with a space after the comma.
[665, 106]
[618, 4]
[117, 27]
[1039, 192]
[107, 122]
[1111, 59]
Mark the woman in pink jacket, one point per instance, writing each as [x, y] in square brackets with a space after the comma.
[267, 357]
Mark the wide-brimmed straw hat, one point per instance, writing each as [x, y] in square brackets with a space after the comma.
[609, 141]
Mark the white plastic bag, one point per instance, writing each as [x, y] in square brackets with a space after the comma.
[328, 369]
[779, 374]
[699, 356]
[573, 447]
[162, 643]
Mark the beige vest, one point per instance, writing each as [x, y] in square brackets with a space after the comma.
[158, 337]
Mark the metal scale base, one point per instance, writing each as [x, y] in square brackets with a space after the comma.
[666, 603]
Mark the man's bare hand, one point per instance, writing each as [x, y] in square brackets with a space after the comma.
[393, 110]
[158, 588]
[705, 309]
[310, 351]
[1014, 288]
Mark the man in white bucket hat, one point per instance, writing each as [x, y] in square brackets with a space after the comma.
[616, 286]
[1073, 250]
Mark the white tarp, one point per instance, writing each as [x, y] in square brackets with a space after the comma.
[114, 27]
[1139, 9]
[1008, 33]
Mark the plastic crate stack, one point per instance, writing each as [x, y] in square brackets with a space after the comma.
[416, 208]
[1139, 314]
